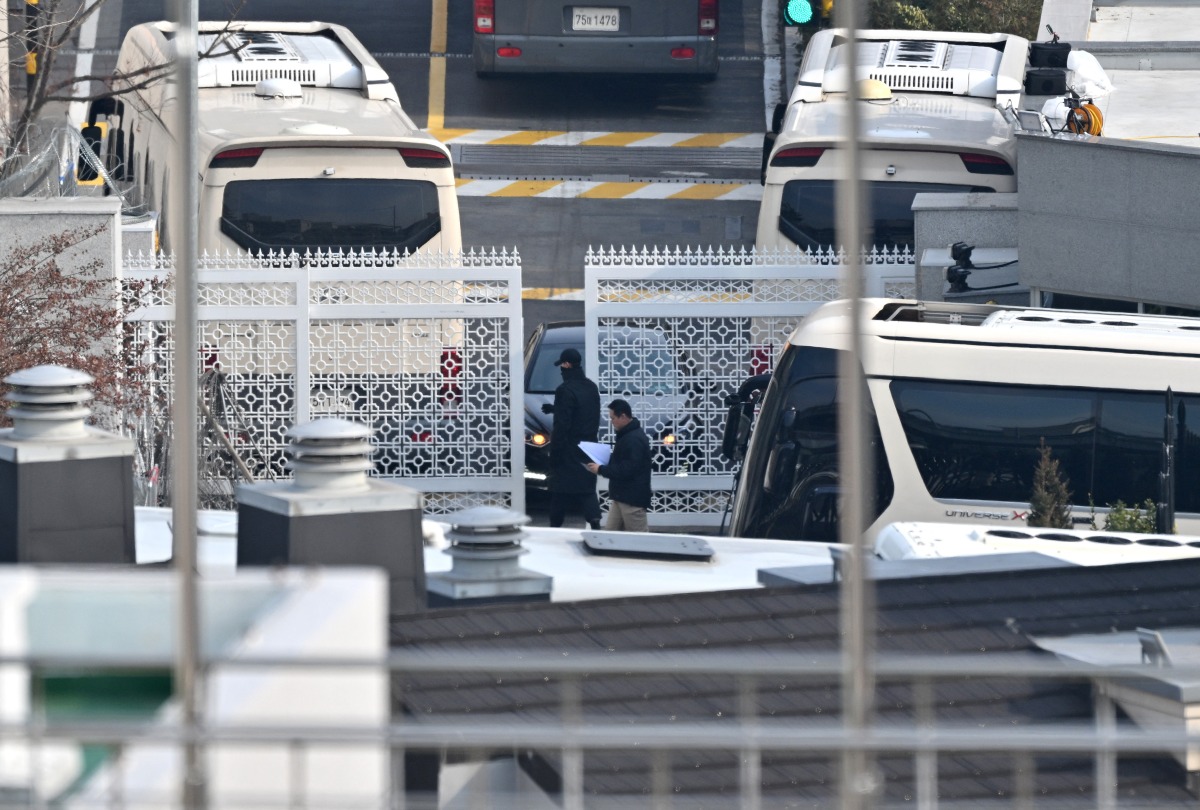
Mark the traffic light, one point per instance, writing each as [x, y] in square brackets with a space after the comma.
[799, 12]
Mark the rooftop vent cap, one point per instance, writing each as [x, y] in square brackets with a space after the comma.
[486, 532]
[48, 402]
[278, 87]
[330, 454]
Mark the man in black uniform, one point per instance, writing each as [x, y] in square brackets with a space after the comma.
[576, 412]
[627, 471]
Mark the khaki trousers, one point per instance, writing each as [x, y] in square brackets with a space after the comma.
[625, 518]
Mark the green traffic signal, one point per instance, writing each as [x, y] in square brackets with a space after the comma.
[797, 12]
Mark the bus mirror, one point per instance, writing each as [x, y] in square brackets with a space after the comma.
[768, 145]
[777, 117]
[781, 467]
[736, 434]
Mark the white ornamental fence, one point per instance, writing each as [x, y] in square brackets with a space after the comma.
[425, 350]
[675, 331]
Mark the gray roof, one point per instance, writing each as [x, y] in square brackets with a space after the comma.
[984, 612]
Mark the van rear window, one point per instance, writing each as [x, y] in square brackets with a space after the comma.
[325, 213]
[808, 215]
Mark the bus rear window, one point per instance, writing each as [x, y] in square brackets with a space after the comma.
[324, 213]
[808, 215]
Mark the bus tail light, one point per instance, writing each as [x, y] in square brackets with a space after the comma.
[985, 164]
[424, 158]
[485, 17]
[798, 158]
[236, 159]
[708, 18]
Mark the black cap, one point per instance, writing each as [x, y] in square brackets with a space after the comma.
[569, 356]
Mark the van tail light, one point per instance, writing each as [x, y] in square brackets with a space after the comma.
[708, 17]
[798, 158]
[235, 159]
[424, 158]
[985, 164]
[485, 16]
[683, 53]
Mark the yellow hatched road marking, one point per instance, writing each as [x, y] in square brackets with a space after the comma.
[618, 139]
[443, 134]
[711, 139]
[544, 293]
[526, 138]
[612, 191]
[525, 188]
[702, 191]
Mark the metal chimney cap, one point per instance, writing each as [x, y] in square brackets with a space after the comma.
[49, 376]
[486, 517]
[327, 430]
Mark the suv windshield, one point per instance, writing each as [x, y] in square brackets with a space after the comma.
[808, 216]
[325, 213]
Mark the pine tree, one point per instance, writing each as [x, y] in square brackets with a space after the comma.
[1050, 498]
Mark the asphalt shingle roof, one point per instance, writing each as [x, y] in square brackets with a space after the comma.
[984, 613]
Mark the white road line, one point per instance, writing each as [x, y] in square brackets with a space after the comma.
[77, 110]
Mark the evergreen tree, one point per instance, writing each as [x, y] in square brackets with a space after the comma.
[1050, 498]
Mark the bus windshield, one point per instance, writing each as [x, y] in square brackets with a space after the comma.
[808, 216]
[324, 213]
[789, 487]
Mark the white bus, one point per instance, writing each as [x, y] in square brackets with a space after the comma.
[938, 117]
[960, 398]
[303, 143]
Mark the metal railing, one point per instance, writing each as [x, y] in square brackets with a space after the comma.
[916, 744]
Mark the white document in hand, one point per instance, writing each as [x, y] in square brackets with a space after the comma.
[599, 453]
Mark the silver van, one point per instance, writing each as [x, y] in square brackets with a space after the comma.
[596, 36]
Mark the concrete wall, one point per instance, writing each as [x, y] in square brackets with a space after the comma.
[24, 221]
[982, 220]
[1109, 218]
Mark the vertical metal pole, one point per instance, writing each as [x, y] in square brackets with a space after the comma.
[184, 203]
[1106, 758]
[857, 602]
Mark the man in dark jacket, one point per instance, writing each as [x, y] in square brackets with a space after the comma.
[576, 412]
[627, 471]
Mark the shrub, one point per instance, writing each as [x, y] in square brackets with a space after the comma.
[1049, 503]
[1122, 518]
